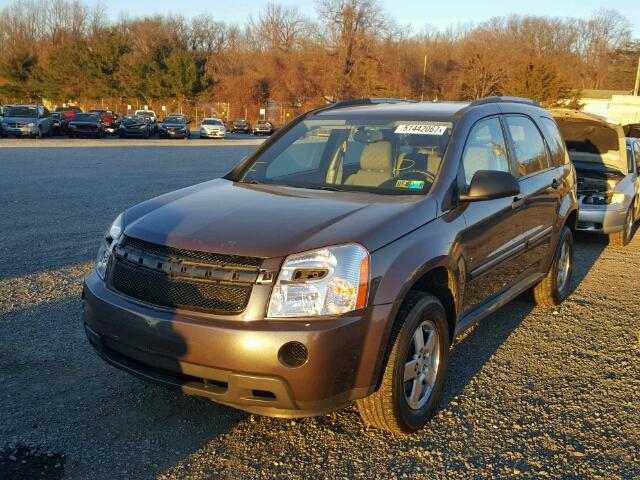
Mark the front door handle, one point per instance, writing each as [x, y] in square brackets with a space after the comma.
[518, 201]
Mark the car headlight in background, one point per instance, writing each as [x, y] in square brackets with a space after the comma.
[31, 125]
[604, 198]
[111, 237]
[327, 281]
[617, 198]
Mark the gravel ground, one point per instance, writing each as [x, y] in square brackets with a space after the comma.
[531, 392]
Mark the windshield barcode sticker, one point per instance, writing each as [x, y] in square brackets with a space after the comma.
[421, 129]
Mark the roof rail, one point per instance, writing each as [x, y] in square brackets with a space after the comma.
[362, 101]
[486, 100]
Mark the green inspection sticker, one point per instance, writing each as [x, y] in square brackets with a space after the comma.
[411, 184]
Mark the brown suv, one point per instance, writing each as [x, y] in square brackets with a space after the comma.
[341, 259]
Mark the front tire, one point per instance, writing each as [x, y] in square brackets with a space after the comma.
[556, 286]
[414, 376]
[623, 238]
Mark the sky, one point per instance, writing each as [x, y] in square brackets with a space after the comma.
[417, 13]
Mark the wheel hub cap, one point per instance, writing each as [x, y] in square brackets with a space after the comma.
[564, 265]
[421, 367]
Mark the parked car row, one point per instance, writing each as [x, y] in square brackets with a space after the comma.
[388, 228]
[37, 121]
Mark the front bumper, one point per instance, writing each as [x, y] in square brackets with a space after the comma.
[235, 361]
[173, 134]
[133, 133]
[212, 134]
[19, 132]
[605, 219]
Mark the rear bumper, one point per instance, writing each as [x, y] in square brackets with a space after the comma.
[604, 220]
[237, 363]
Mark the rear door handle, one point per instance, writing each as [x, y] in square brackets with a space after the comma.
[555, 184]
[518, 201]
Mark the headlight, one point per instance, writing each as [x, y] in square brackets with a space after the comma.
[604, 198]
[31, 125]
[617, 198]
[327, 281]
[111, 237]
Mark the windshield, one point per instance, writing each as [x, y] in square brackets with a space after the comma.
[22, 112]
[85, 117]
[401, 157]
[145, 114]
[212, 122]
[132, 120]
[174, 120]
[240, 122]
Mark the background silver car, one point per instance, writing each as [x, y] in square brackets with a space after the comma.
[27, 121]
[607, 165]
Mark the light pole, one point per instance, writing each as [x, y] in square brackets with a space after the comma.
[424, 76]
[635, 90]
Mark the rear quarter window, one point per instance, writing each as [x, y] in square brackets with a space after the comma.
[555, 141]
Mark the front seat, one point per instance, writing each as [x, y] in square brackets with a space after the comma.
[375, 165]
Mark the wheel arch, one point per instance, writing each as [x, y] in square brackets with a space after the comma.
[440, 280]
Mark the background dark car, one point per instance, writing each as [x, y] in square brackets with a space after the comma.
[135, 126]
[240, 126]
[59, 124]
[69, 112]
[174, 126]
[263, 127]
[85, 125]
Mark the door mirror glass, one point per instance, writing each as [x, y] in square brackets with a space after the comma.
[490, 184]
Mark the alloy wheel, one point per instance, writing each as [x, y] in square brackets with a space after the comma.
[421, 367]
[564, 266]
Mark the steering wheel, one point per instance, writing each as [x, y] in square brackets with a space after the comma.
[408, 175]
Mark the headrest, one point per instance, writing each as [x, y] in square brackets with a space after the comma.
[376, 156]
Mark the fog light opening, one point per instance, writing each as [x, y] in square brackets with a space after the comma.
[293, 354]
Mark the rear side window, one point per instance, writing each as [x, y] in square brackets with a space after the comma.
[529, 148]
[555, 141]
[636, 150]
[485, 149]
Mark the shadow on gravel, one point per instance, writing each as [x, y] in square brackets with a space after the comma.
[22, 462]
[62, 405]
[473, 350]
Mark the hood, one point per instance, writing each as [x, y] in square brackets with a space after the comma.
[221, 216]
[19, 119]
[592, 138]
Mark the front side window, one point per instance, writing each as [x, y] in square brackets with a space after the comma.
[379, 156]
[636, 149]
[485, 149]
[528, 145]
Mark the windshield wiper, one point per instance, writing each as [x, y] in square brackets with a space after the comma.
[252, 182]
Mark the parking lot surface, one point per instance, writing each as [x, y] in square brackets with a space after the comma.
[531, 392]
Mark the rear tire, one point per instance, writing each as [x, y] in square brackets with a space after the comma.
[556, 286]
[622, 238]
[413, 378]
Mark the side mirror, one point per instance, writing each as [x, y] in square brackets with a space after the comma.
[490, 184]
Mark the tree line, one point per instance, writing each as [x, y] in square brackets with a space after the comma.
[66, 51]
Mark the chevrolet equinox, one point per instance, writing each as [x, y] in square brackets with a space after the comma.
[341, 260]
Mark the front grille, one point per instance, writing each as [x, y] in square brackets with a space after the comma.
[174, 292]
[205, 257]
[177, 278]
